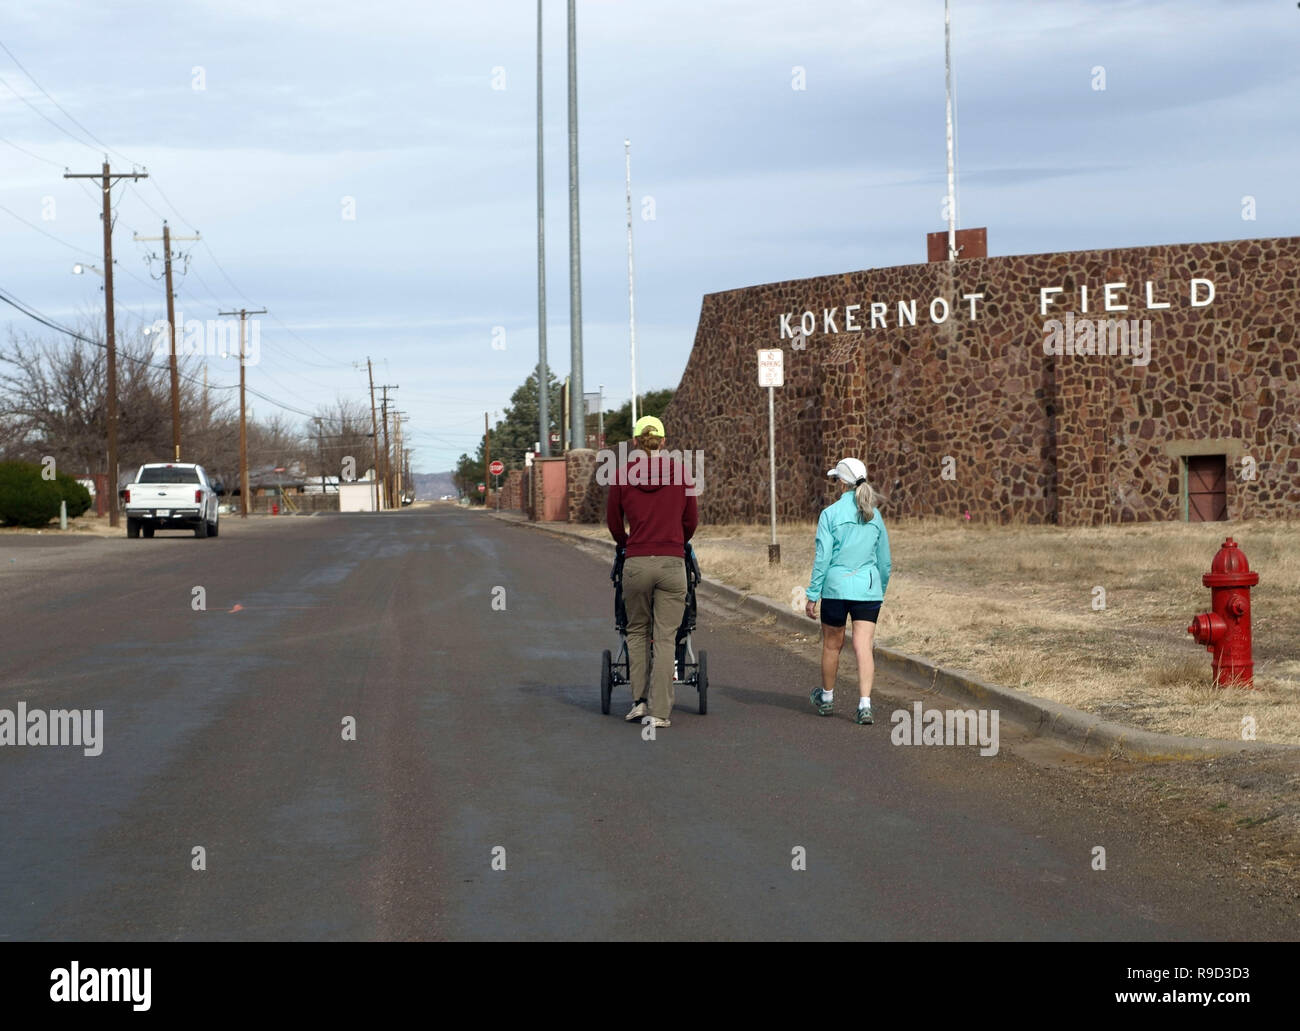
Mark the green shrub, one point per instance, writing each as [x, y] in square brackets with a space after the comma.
[77, 497]
[25, 498]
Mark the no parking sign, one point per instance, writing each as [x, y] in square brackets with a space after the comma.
[771, 368]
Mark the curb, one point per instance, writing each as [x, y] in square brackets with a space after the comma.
[1079, 731]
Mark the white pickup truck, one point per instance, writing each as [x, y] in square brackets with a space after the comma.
[171, 496]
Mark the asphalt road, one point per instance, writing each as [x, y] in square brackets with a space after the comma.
[479, 729]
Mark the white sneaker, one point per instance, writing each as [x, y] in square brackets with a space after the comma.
[657, 721]
[637, 712]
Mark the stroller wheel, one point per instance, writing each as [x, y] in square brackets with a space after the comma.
[702, 681]
[606, 681]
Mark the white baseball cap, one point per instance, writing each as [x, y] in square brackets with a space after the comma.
[850, 470]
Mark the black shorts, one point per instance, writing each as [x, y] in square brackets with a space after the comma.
[836, 610]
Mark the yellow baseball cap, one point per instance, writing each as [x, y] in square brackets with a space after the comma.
[648, 424]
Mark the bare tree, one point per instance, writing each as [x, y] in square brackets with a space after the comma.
[275, 443]
[344, 432]
[53, 402]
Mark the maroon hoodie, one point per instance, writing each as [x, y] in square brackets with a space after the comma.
[661, 515]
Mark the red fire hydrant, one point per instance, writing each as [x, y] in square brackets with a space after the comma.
[1226, 631]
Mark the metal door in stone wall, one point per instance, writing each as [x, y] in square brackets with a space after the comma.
[555, 490]
[1207, 488]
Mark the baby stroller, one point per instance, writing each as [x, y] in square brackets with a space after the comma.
[686, 668]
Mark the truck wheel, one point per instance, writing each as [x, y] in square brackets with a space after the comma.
[201, 527]
[132, 527]
[148, 530]
[212, 530]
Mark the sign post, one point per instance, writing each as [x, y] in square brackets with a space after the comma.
[771, 374]
[496, 469]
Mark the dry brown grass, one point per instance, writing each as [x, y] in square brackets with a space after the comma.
[1014, 605]
[89, 523]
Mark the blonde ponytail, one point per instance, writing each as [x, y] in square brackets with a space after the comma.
[868, 500]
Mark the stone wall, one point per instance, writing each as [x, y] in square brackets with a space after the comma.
[526, 501]
[512, 490]
[957, 407]
[586, 496]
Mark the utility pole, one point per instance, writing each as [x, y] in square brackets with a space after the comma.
[243, 314]
[107, 178]
[383, 417]
[374, 429]
[487, 456]
[543, 373]
[397, 455]
[171, 325]
[320, 452]
[577, 412]
[388, 468]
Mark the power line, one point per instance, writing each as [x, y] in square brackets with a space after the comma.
[140, 197]
[62, 129]
[32, 313]
[29, 153]
[45, 232]
[174, 208]
[61, 108]
[65, 243]
[332, 363]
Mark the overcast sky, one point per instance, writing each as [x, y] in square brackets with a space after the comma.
[393, 104]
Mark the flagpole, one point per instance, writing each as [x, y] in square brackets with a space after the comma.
[631, 274]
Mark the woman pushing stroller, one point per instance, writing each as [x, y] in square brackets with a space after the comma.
[651, 494]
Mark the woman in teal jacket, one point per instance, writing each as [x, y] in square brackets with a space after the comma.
[850, 575]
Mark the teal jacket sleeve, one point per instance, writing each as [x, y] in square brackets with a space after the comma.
[822, 558]
[883, 560]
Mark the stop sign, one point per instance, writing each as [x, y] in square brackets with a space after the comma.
[481, 488]
[497, 467]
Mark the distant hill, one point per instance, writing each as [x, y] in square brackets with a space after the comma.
[432, 486]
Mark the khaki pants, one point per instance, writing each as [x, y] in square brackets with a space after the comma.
[654, 591]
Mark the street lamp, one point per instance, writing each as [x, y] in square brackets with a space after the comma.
[79, 269]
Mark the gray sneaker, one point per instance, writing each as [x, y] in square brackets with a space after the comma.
[823, 708]
[864, 716]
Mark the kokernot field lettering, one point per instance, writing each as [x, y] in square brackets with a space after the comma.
[1115, 296]
[854, 318]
